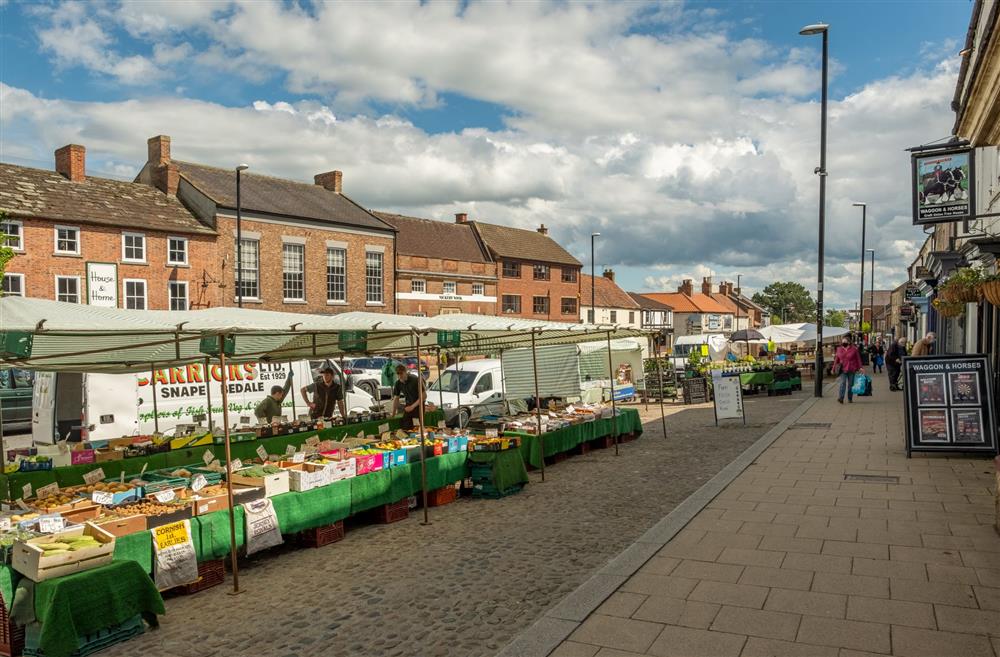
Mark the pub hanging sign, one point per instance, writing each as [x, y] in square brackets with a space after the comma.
[943, 186]
[949, 404]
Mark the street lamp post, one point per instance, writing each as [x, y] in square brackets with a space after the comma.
[871, 301]
[809, 30]
[864, 213]
[239, 236]
[593, 281]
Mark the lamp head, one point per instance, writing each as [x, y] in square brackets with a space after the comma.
[860, 205]
[242, 167]
[870, 250]
[815, 28]
[595, 234]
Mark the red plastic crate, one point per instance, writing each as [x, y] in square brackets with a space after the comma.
[394, 512]
[582, 448]
[210, 573]
[603, 442]
[11, 636]
[441, 496]
[320, 536]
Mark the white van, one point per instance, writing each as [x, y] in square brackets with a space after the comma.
[104, 406]
[685, 344]
[467, 390]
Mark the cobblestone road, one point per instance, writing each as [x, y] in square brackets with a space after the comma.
[480, 573]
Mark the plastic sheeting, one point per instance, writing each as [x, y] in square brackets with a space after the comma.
[788, 333]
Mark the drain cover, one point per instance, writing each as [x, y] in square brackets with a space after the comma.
[812, 425]
[872, 479]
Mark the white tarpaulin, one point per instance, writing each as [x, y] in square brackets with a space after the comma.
[567, 370]
[788, 333]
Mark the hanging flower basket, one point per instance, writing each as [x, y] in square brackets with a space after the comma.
[991, 290]
[962, 286]
[949, 308]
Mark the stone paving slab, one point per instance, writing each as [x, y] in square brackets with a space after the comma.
[790, 557]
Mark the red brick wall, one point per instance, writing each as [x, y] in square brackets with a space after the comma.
[40, 265]
[527, 287]
[436, 272]
[270, 252]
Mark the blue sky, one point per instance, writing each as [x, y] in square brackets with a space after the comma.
[654, 123]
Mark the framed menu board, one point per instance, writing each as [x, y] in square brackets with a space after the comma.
[949, 404]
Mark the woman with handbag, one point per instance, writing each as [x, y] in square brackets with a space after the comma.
[846, 363]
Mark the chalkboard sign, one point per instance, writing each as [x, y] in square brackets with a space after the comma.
[949, 404]
[727, 391]
[695, 390]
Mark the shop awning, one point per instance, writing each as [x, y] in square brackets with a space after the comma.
[50, 335]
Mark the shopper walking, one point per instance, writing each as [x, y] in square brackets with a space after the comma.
[924, 347]
[847, 361]
[894, 362]
[878, 356]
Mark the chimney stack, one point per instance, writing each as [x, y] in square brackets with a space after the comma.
[543, 230]
[609, 274]
[461, 218]
[166, 177]
[726, 288]
[686, 287]
[158, 149]
[332, 180]
[71, 161]
[706, 285]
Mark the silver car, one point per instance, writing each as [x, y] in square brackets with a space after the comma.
[366, 374]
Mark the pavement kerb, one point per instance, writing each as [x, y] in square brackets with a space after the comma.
[559, 622]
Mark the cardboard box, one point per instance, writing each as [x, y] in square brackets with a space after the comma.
[365, 463]
[307, 477]
[82, 456]
[342, 469]
[105, 455]
[81, 514]
[122, 526]
[184, 512]
[274, 484]
[28, 558]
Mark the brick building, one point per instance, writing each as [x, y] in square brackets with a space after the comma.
[537, 278]
[104, 242]
[441, 267]
[613, 306]
[695, 313]
[305, 247]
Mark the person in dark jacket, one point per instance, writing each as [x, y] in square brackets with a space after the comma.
[877, 353]
[894, 362]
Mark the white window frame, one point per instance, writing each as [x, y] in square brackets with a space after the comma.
[79, 290]
[171, 297]
[20, 234]
[256, 270]
[342, 248]
[454, 288]
[302, 250]
[369, 251]
[55, 239]
[479, 289]
[20, 277]
[145, 245]
[186, 243]
[145, 292]
[422, 286]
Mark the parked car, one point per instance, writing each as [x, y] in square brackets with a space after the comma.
[475, 389]
[411, 364]
[15, 400]
[366, 374]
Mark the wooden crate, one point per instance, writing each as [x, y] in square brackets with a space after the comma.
[28, 560]
[122, 526]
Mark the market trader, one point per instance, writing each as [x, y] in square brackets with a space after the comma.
[270, 406]
[408, 387]
[327, 393]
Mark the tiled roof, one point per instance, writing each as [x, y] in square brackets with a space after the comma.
[435, 239]
[609, 295]
[278, 196]
[28, 192]
[648, 304]
[724, 301]
[507, 242]
[682, 303]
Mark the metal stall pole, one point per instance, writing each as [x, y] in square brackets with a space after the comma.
[208, 392]
[645, 388]
[614, 407]
[503, 387]
[229, 479]
[458, 388]
[538, 402]
[291, 391]
[156, 413]
[659, 371]
[423, 433]
[440, 387]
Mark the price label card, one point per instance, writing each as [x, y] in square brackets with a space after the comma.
[235, 465]
[208, 456]
[21, 504]
[26, 491]
[298, 457]
[143, 471]
[442, 425]
[94, 476]
[198, 482]
[290, 450]
[103, 498]
[312, 440]
[383, 428]
[261, 452]
[48, 491]
[4, 524]
[121, 477]
[49, 524]
[491, 433]
[165, 496]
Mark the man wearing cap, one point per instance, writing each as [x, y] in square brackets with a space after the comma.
[408, 387]
[270, 407]
[327, 394]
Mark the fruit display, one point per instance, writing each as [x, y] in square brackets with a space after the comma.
[143, 508]
[68, 544]
[260, 471]
[23, 517]
[52, 501]
[101, 486]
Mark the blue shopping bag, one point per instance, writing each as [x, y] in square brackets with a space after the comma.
[862, 385]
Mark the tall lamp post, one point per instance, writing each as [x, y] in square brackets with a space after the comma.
[864, 213]
[593, 281]
[871, 300]
[239, 236]
[810, 30]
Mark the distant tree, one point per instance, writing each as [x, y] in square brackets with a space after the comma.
[836, 318]
[794, 298]
[6, 253]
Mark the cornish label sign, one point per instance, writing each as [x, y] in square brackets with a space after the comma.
[102, 284]
[949, 404]
[944, 186]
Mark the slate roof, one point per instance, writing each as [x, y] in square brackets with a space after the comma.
[38, 193]
[278, 196]
[609, 295]
[648, 304]
[508, 242]
[435, 239]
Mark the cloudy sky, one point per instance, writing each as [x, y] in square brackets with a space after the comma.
[685, 133]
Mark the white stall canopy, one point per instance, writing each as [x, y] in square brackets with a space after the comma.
[789, 333]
